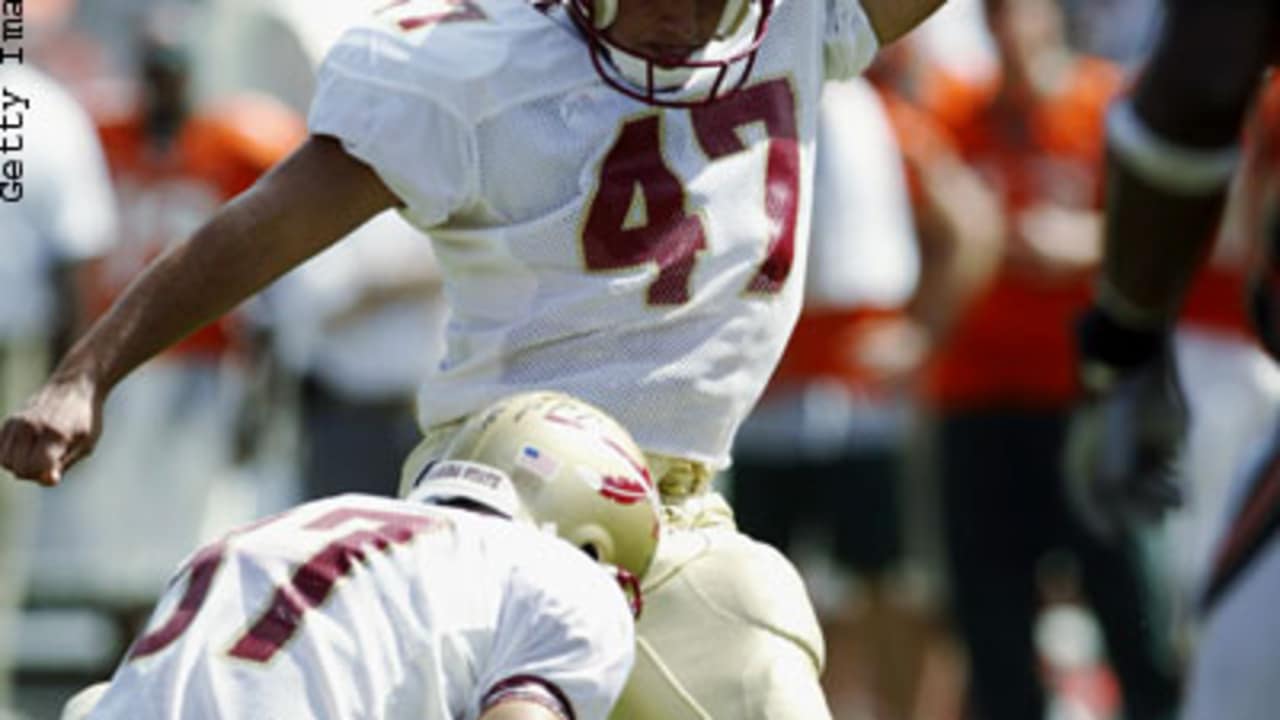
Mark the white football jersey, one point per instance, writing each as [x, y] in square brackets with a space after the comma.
[364, 607]
[647, 260]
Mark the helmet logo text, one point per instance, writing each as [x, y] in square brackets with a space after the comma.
[623, 490]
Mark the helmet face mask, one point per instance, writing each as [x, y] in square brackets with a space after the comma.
[718, 69]
[556, 462]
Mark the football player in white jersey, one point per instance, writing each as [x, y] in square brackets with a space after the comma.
[619, 196]
[451, 605]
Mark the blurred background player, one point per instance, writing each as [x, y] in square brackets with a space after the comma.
[1003, 381]
[554, 284]
[355, 330]
[55, 221]
[456, 602]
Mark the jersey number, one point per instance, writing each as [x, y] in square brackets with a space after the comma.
[639, 213]
[309, 587]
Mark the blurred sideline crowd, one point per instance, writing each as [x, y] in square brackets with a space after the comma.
[906, 454]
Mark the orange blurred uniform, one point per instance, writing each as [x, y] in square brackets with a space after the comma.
[1013, 345]
[166, 194]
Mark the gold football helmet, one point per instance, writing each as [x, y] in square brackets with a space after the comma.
[560, 463]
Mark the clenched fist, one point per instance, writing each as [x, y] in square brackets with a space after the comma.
[58, 426]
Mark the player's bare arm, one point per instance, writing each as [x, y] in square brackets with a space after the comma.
[314, 197]
[1173, 148]
[894, 18]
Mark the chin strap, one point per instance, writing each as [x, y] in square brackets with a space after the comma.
[630, 585]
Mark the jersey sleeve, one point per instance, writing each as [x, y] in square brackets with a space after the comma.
[849, 42]
[423, 150]
[566, 633]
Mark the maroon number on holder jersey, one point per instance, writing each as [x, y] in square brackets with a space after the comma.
[310, 585]
[201, 571]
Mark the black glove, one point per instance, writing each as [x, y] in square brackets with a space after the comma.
[1125, 437]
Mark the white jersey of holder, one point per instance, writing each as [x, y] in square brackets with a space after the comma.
[648, 260]
[365, 607]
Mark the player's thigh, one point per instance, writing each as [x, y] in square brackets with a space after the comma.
[727, 632]
[1236, 669]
